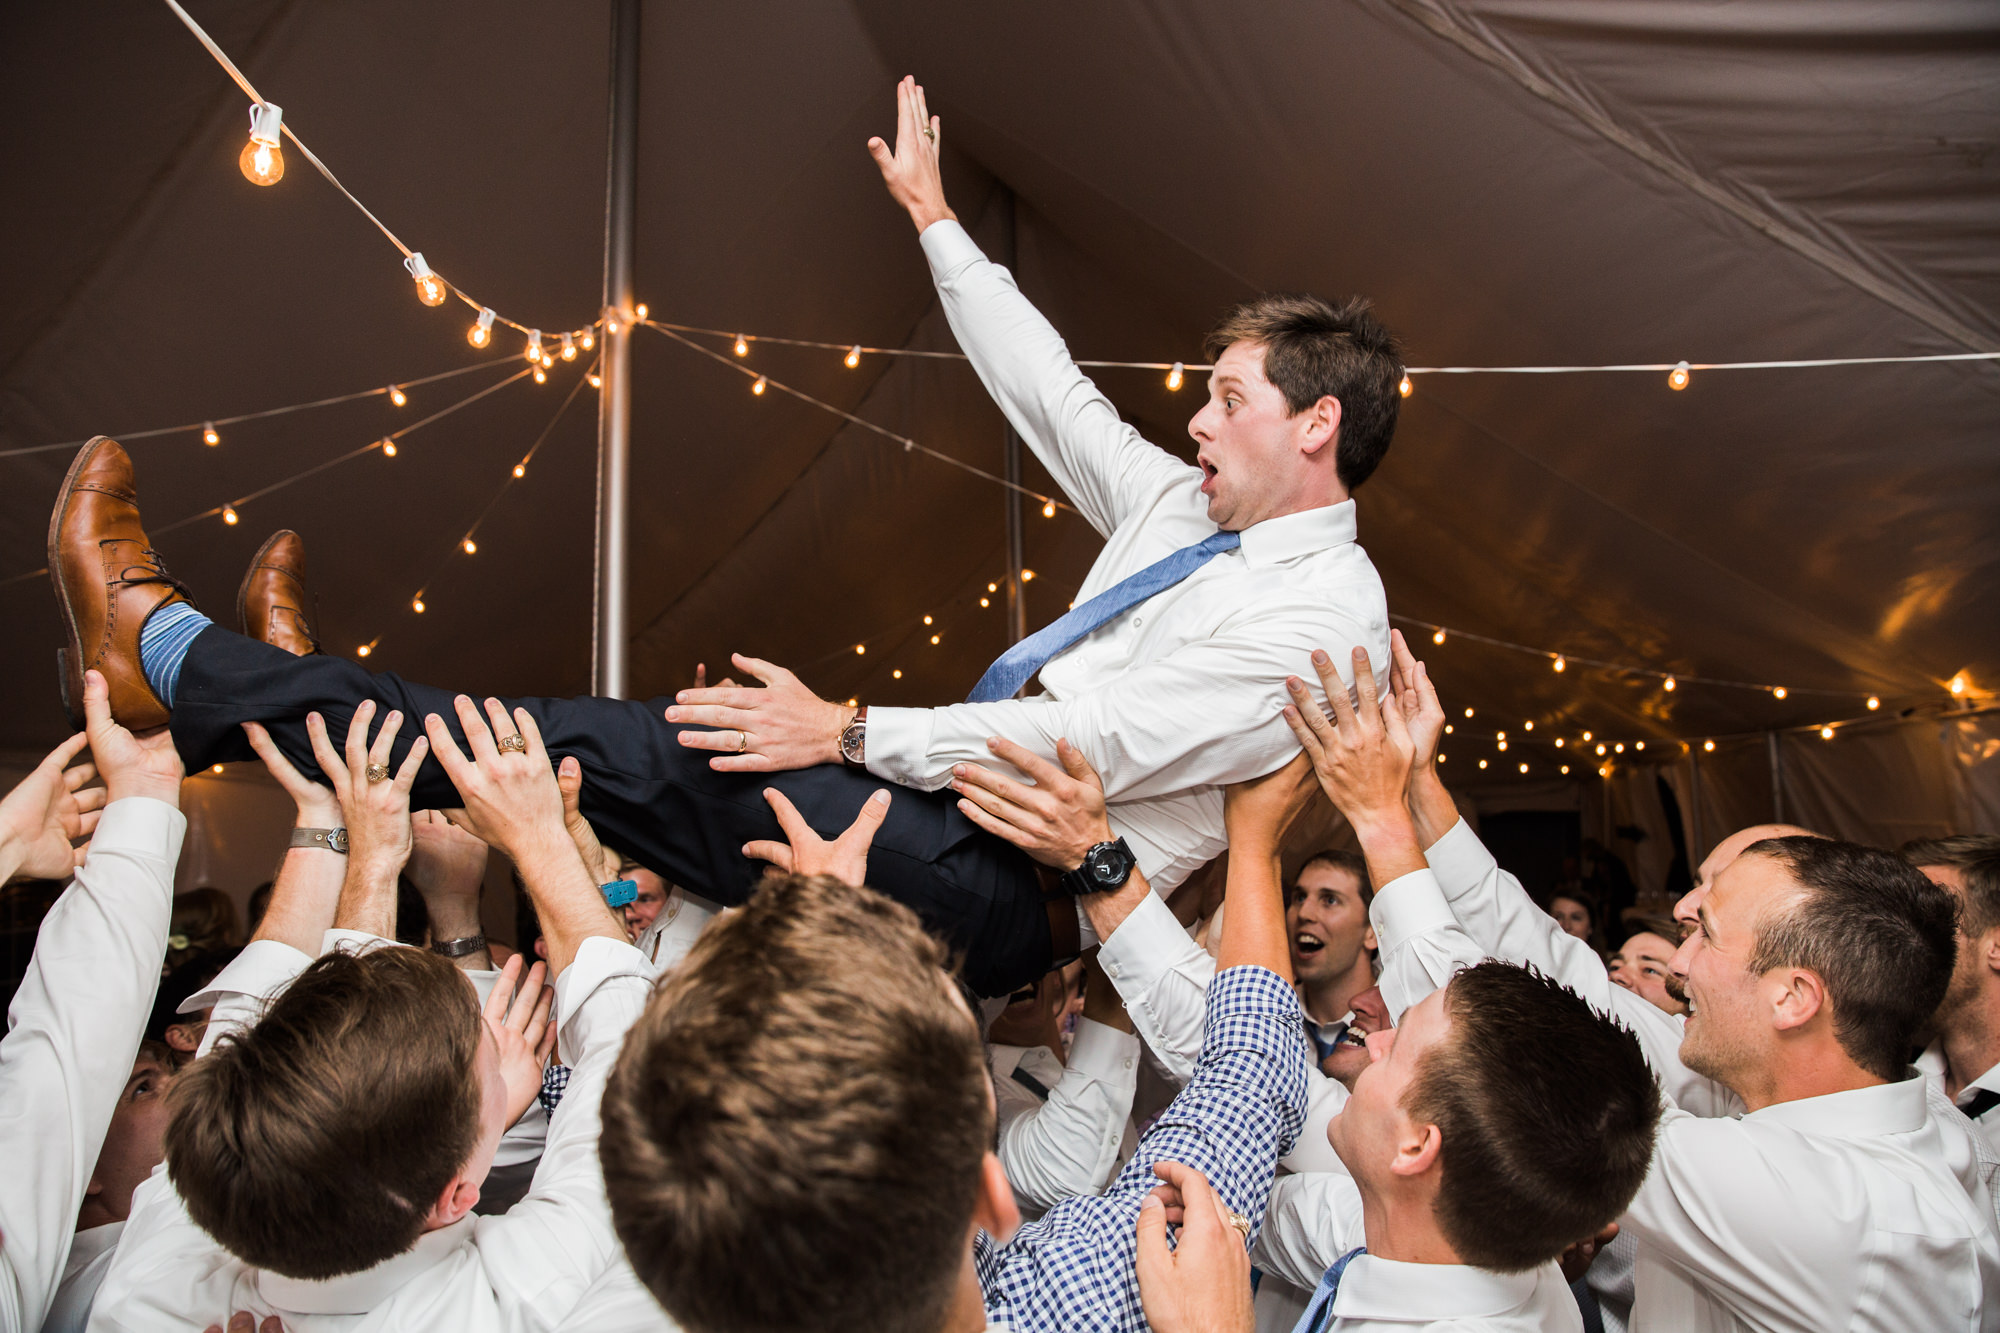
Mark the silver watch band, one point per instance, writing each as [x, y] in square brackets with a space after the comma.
[459, 948]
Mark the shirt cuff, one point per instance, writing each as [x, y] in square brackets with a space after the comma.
[263, 967]
[593, 1005]
[899, 739]
[1408, 908]
[1149, 945]
[949, 248]
[1105, 1053]
[1460, 861]
[142, 826]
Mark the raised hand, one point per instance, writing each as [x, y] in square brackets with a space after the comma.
[1056, 821]
[41, 818]
[806, 853]
[317, 804]
[1255, 814]
[1412, 694]
[132, 765]
[517, 1014]
[603, 866]
[1203, 1284]
[1362, 756]
[374, 802]
[779, 727]
[511, 798]
[911, 172]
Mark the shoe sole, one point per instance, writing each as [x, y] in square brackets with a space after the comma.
[243, 588]
[69, 660]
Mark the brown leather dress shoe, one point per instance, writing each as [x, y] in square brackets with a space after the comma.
[108, 579]
[271, 603]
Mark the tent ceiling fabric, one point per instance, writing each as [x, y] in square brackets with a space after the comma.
[1808, 181]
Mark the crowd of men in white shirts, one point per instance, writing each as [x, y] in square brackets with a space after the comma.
[1392, 1094]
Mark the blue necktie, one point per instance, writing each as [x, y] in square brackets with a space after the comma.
[1013, 667]
[1319, 1312]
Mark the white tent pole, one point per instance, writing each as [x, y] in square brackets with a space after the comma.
[614, 404]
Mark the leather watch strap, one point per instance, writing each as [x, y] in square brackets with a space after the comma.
[331, 839]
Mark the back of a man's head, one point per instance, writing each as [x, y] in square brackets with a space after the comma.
[1976, 859]
[315, 1143]
[793, 1134]
[1878, 933]
[1547, 1111]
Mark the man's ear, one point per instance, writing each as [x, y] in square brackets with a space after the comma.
[1987, 950]
[1368, 941]
[185, 1037]
[457, 1199]
[1321, 423]
[996, 1212]
[1797, 996]
[1417, 1150]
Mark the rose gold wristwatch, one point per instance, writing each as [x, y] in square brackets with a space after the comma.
[854, 740]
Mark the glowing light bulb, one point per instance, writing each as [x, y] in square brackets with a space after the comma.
[208, 435]
[897, 674]
[216, 769]
[1482, 763]
[1176, 376]
[1638, 745]
[1565, 769]
[641, 311]
[520, 469]
[986, 601]
[861, 650]
[1777, 691]
[262, 162]
[1826, 733]
[759, 387]
[1527, 726]
[568, 348]
[534, 352]
[1049, 509]
[1619, 748]
[1524, 768]
[1958, 683]
[1669, 684]
[1440, 759]
[1708, 745]
[1437, 636]
[541, 376]
[1677, 378]
[1873, 703]
[935, 638]
[1559, 742]
[1503, 747]
[928, 620]
[388, 447]
[853, 357]
[1586, 738]
[397, 396]
[417, 605]
[1499, 735]
[993, 587]
[588, 341]
[1447, 728]
[851, 703]
[1600, 747]
[229, 516]
[610, 325]
[1027, 576]
[742, 347]
[1559, 664]
[1468, 712]
[1404, 387]
[596, 381]
[364, 650]
[430, 287]
[481, 332]
[471, 546]
[1604, 772]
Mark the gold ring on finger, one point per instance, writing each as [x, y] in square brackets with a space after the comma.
[930, 134]
[378, 772]
[516, 743]
[742, 740]
[1241, 1223]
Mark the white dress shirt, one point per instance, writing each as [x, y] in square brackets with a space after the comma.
[520, 1270]
[618, 1303]
[1182, 694]
[1868, 1209]
[72, 1030]
[1315, 1218]
[1931, 1065]
[1069, 1139]
[90, 1256]
[1163, 976]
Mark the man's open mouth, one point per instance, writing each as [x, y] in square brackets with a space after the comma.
[1308, 944]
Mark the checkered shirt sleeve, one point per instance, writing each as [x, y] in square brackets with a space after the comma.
[1074, 1268]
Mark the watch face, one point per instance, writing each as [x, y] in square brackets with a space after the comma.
[1110, 865]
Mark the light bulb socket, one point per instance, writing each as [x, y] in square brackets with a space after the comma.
[417, 267]
[535, 345]
[266, 120]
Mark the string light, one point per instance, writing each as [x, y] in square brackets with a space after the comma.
[1440, 759]
[229, 516]
[897, 674]
[852, 359]
[1028, 576]
[596, 380]
[1528, 725]
[589, 340]
[1503, 746]
[1677, 378]
[759, 387]
[534, 347]
[520, 470]
[1175, 376]
[366, 648]
[1559, 664]
[471, 546]
[1826, 733]
[1405, 388]
[1669, 684]
[417, 604]
[1468, 712]
[481, 331]
[1600, 747]
[930, 620]
[641, 311]
[1874, 703]
[1586, 738]
[861, 650]
[388, 447]
[1565, 770]
[1708, 745]
[430, 287]
[568, 348]
[742, 347]
[1437, 636]
[993, 587]
[1618, 748]
[1559, 742]
[1604, 772]
[541, 376]
[1482, 763]
[1049, 509]
[935, 638]
[1447, 728]
[208, 435]
[985, 601]
[1499, 735]
[262, 162]
[611, 324]
[1638, 745]
[397, 396]
[1958, 683]
[1524, 768]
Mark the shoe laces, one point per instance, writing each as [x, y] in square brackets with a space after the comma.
[153, 569]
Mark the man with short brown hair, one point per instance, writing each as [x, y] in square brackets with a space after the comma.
[1964, 1059]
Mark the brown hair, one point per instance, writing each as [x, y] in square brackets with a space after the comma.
[1352, 862]
[1547, 1110]
[204, 919]
[1314, 349]
[802, 1098]
[1876, 931]
[315, 1143]
[1976, 857]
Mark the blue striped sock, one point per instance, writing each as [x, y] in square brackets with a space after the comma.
[163, 646]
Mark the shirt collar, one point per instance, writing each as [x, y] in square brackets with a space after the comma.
[1858, 1113]
[358, 1293]
[1931, 1064]
[1276, 540]
[1375, 1288]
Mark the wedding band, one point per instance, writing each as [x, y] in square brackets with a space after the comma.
[1242, 1224]
[930, 134]
[378, 772]
[516, 742]
[742, 740]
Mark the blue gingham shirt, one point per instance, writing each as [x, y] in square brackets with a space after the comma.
[1241, 1112]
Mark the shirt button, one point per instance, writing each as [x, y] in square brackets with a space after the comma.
[1138, 621]
[1112, 969]
[1128, 1062]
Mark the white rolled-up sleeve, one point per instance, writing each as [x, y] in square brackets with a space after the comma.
[72, 1031]
[1313, 1219]
[1069, 1144]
